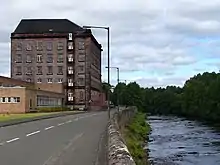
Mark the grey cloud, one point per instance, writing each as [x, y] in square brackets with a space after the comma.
[148, 36]
[161, 81]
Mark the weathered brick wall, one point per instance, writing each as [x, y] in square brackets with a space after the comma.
[117, 150]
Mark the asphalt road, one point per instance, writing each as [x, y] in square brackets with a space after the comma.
[69, 140]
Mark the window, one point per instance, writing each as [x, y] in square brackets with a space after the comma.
[49, 80]
[28, 58]
[28, 80]
[60, 46]
[81, 52]
[70, 36]
[60, 80]
[70, 96]
[70, 82]
[18, 99]
[70, 45]
[39, 70]
[49, 58]
[60, 70]
[81, 58]
[50, 70]
[18, 58]
[19, 46]
[70, 70]
[80, 81]
[60, 58]
[70, 57]
[29, 47]
[81, 68]
[10, 99]
[18, 70]
[39, 80]
[81, 45]
[49, 46]
[39, 58]
[39, 46]
[15, 99]
[28, 70]
[81, 98]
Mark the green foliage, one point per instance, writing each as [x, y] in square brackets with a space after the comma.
[107, 88]
[52, 109]
[135, 135]
[199, 98]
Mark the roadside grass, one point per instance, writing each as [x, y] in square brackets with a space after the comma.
[7, 117]
[135, 135]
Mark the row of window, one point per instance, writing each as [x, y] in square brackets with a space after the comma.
[49, 58]
[80, 82]
[49, 80]
[49, 46]
[49, 70]
[48, 101]
[71, 96]
[10, 100]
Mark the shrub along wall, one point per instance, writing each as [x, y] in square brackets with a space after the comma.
[52, 109]
[135, 134]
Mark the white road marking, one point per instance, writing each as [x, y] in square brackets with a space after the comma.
[61, 124]
[57, 155]
[49, 128]
[69, 121]
[33, 133]
[1, 144]
[76, 119]
[12, 140]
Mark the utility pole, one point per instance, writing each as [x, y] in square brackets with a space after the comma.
[108, 35]
[118, 90]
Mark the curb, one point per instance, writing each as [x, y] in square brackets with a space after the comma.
[20, 121]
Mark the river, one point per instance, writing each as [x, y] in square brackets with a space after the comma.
[177, 141]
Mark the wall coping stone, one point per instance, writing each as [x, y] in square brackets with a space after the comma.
[118, 153]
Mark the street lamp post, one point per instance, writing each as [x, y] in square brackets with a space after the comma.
[108, 33]
[118, 83]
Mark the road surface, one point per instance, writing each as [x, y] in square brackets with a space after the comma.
[69, 140]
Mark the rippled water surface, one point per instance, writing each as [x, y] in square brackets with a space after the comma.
[177, 141]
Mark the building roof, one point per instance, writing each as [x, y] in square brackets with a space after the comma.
[38, 26]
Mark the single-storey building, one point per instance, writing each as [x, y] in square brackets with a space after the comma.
[17, 96]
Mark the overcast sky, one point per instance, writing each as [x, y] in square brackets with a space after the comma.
[154, 42]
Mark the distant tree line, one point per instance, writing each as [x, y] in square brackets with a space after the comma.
[198, 98]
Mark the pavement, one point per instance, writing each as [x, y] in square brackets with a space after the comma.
[78, 139]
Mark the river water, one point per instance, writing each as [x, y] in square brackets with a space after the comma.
[177, 141]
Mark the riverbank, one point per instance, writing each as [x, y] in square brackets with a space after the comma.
[135, 135]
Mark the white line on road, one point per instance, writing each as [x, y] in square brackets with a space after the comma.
[61, 124]
[12, 140]
[49, 128]
[69, 121]
[1, 144]
[33, 133]
[57, 155]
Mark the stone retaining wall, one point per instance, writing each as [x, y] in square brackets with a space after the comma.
[118, 153]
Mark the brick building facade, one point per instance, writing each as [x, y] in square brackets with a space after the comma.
[57, 51]
[18, 96]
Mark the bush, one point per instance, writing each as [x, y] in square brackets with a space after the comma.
[135, 135]
[52, 109]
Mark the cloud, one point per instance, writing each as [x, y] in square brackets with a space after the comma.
[154, 38]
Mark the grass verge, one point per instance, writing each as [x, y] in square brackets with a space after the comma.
[135, 135]
[21, 116]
